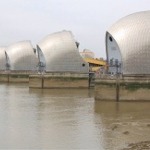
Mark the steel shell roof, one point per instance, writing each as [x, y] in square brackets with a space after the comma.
[132, 34]
[61, 53]
[21, 56]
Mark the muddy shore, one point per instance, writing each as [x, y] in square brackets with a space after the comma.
[144, 145]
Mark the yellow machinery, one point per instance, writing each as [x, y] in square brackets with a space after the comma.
[95, 64]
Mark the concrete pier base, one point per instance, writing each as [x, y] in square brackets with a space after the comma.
[59, 80]
[4, 77]
[105, 89]
[123, 89]
[18, 77]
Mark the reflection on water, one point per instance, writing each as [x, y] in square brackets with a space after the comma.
[68, 119]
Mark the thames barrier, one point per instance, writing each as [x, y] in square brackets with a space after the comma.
[55, 97]
[57, 63]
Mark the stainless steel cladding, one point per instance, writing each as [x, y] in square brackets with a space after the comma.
[61, 53]
[2, 58]
[128, 40]
[21, 56]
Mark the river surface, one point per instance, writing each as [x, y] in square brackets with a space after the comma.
[68, 119]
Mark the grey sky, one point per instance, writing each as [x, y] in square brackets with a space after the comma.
[87, 19]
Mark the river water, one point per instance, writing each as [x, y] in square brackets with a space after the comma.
[68, 119]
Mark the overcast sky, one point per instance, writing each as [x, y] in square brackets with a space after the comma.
[87, 19]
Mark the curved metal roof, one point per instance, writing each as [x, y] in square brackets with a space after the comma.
[2, 58]
[21, 56]
[61, 53]
[132, 35]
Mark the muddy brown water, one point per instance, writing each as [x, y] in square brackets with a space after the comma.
[68, 119]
